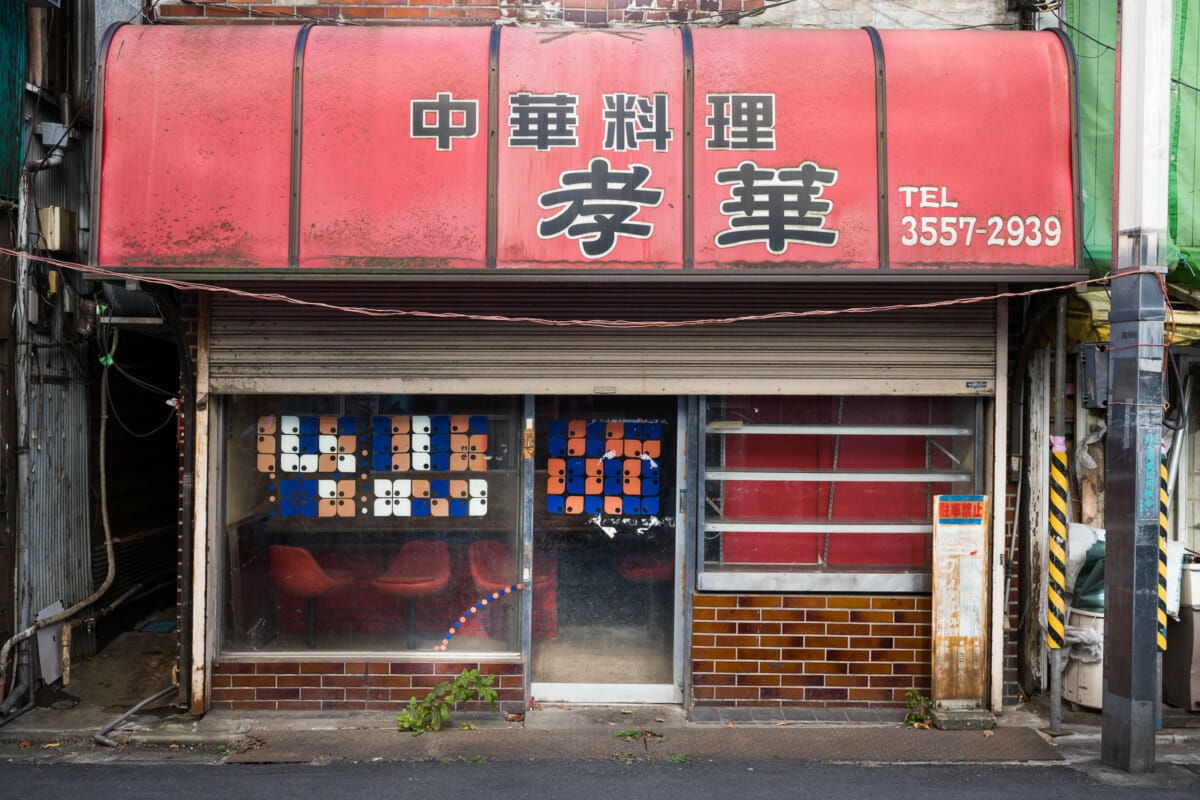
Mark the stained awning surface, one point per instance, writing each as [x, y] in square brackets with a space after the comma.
[421, 150]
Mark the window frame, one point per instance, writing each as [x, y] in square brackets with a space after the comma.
[809, 579]
[220, 573]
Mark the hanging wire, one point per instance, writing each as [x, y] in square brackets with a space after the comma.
[576, 323]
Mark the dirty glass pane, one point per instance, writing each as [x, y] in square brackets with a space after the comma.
[604, 540]
[373, 523]
[844, 483]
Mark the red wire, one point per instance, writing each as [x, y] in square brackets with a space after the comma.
[565, 323]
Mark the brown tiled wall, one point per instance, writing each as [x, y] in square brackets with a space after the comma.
[838, 650]
[348, 685]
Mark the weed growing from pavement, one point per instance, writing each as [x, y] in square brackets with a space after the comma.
[918, 709]
[430, 713]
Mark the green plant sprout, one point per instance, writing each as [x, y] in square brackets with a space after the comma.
[430, 713]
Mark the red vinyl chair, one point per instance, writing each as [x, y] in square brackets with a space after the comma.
[420, 569]
[493, 568]
[297, 573]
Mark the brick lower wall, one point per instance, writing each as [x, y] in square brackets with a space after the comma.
[350, 685]
[837, 650]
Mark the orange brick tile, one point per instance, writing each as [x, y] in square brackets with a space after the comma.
[903, 603]
[757, 654]
[803, 601]
[849, 681]
[848, 602]
[714, 652]
[760, 601]
[253, 680]
[714, 679]
[825, 668]
[758, 679]
[796, 679]
[826, 641]
[714, 601]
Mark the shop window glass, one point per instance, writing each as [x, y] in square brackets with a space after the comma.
[371, 523]
[822, 491]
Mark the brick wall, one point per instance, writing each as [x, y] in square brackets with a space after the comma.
[587, 13]
[600, 13]
[766, 650]
[349, 685]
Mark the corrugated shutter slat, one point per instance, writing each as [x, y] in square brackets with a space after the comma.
[263, 347]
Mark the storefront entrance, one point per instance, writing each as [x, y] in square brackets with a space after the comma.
[605, 627]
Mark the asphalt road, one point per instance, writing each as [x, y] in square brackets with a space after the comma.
[535, 780]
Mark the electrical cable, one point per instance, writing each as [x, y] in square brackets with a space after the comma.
[577, 323]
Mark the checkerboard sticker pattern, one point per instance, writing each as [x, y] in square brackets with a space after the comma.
[603, 467]
[329, 466]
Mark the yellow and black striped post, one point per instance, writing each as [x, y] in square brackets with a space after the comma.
[1164, 500]
[1055, 588]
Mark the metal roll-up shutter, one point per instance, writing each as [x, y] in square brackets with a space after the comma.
[259, 346]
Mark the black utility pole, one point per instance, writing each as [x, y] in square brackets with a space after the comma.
[1136, 359]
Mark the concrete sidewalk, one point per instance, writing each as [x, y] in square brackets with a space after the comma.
[565, 733]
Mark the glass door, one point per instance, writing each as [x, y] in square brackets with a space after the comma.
[604, 623]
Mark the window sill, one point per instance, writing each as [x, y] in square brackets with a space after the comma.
[797, 581]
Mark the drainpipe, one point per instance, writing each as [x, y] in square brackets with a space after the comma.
[21, 392]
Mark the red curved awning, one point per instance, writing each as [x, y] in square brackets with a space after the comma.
[416, 150]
